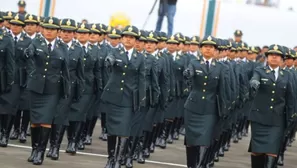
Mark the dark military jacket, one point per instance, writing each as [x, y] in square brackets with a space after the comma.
[7, 62]
[48, 71]
[126, 84]
[178, 67]
[274, 100]
[103, 52]
[208, 94]
[162, 79]
[21, 73]
[231, 83]
[151, 79]
[76, 69]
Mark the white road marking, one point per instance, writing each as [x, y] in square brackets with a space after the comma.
[105, 156]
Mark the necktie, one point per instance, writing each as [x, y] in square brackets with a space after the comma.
[273, 73]
[15, 40]
[207, 66]
[84, 48]
[127, 54]
[49, 47]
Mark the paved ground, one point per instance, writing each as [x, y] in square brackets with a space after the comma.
[95, 156]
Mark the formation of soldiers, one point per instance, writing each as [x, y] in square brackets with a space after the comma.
[147, 89]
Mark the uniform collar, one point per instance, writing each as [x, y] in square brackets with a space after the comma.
[210, 60]
[17, 36]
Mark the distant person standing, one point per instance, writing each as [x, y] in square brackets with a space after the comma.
[166, 8]
[22, 6]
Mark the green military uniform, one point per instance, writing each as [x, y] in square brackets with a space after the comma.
[273, 104]
[7, 97]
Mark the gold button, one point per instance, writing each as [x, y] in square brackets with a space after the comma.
[272, 99]
[273, 84]
[125, 66]
[205, 84]
[47, 56]
[46, 63]
[122, 81]
[124, 73]
[204, 90]
[203, 97]
[273, 91]
[45, 69]
[205, 77]
[271, 107]
[85, 59]
[121, 88]
[44, 76]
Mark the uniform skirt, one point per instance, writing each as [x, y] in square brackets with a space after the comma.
[78, 110]
[93, 108]
[24, 102]
[265, 138]
[199, 128]
[138, 122]
[180, 107]
[43, 107]
[9, 101]
[172, 110]
[118, 120]
[149, 119]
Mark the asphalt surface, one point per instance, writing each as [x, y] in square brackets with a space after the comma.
[94, 156]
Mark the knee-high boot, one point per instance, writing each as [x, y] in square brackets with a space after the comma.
[129, 163]
[7, 123]
[85, 138]
[111, 145]
[90, 130]
[165, 132]
[52, 140]
[258, 161]
[82, 131]
[103, 135]
[43, 139]
[192, 153]
[201, 156]
[120, 151]
[153, 141]
[16, 126]
[35, 132]
[24, 126]
[60, 130]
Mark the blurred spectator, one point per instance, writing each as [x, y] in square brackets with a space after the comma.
[295, 48]
[166, 8]
[22, 6]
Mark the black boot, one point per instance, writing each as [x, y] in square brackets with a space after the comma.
[60, 130]
[76, 128]
[43, 139]
[70, 133]
[16, 126]
[141, 158]
[6, 126]
[24, 126]
[87, 138]
[111, 144]
[34, 142]
[129, 162]
[153, 139]
[122, 143]
[257, 161]
[165, 132]
[82, 136]
[280, 161]
[192, 153]
[52, 141]
[270, 162]
[171, 132]
[216, 157]
[202, 155]
[146, 145]
[103, 135]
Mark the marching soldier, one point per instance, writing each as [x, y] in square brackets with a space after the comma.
[7, 97]
[194, 49]
[238, 36]
[22, 6]
[76, 71]
[7, 17]
[32, 24]
[274, 101]
[205, 102]
[124, 93]
[21, 42]
[48, 82]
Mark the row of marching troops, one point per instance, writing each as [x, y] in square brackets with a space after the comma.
[144, 86]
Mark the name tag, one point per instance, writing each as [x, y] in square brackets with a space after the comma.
[39, 50]
[264, 79]
[118, 60]
[198, 71]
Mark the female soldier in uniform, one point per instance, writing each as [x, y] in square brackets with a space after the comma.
[124, 92]
[22, 42]
[48, 82]
[7, 97]
[273, 106]
[76, 71]
[203, 106]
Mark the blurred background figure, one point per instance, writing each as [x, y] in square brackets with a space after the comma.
[119, 20]
[22, 6]
[85, 21]
[166, 8]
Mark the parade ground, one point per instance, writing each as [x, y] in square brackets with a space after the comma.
[94, 156]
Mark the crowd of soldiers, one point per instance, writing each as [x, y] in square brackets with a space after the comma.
[147, 89]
